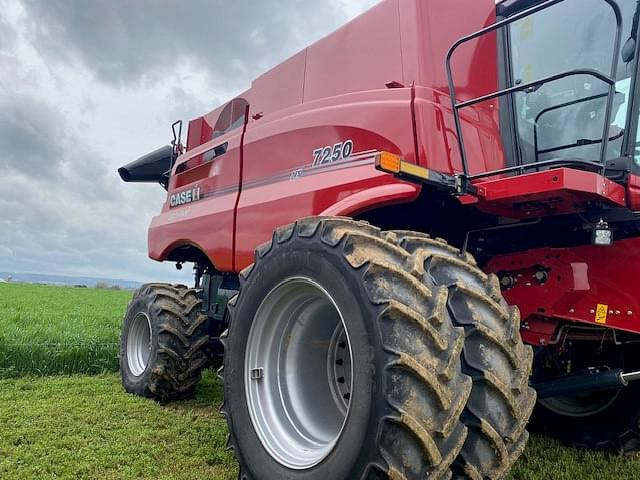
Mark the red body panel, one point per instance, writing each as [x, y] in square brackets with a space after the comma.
[271, 196]
[379, 82]
[552, 192]
[333, 91]
[208, 223]
[579, 279]
[633, 193]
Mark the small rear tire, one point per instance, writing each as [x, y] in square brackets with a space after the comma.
[164, 342]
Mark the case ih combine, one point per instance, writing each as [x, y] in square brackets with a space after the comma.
[424, 226]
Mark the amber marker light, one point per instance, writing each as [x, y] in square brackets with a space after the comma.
[388, 162]
[391, 163]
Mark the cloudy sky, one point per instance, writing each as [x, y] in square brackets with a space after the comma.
[89, 85]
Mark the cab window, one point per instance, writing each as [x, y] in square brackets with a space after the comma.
[565, 118]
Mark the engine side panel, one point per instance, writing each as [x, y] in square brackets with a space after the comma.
[587, 284]
[312, 121]
[284, 178]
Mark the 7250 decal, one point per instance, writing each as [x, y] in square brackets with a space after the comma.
[330, 154]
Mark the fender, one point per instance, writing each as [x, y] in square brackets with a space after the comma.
[182, 250]
[380, 196]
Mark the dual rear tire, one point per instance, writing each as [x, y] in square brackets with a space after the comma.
[354, 353]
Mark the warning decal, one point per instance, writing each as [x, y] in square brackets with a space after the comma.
[601, 313]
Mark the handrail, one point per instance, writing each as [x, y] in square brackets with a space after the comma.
[526, 86]
[609, 79]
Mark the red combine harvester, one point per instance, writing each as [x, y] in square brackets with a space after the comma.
[400, 235]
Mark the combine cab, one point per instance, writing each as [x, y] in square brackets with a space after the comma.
[400, 235]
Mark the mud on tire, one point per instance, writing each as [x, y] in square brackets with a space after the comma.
[169, 321]
[407, 389]
[494, 356]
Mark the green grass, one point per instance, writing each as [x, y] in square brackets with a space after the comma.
[57, 330]
[83, 427]
[86, 427]
[546, 459]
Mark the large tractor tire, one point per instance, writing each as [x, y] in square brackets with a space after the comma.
[606, 420]
[163, 347]
[336, 309]
[494, 356]
[340, 363]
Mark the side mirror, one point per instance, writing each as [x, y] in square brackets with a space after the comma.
[629, 50]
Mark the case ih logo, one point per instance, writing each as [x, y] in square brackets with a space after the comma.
[185, 197]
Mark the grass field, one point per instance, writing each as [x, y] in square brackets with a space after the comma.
[83, 427]
[54, 330]
[86, 427]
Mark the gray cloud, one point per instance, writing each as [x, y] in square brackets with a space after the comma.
[140, 41]
[8, 35]
[62, 208]
[31, 137]
[86, 86]
[63, 226]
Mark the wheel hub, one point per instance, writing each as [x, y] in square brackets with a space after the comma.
[339, 369]
[298, 373]
[139, 344]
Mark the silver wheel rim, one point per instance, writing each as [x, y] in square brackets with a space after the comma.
[139, 344]
[298, 373]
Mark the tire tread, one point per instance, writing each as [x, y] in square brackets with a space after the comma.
[182, 340]
[476, 304]
[392, 279]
